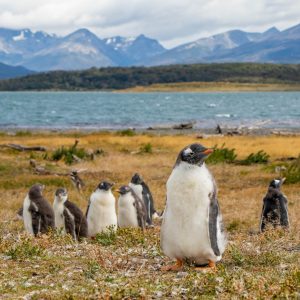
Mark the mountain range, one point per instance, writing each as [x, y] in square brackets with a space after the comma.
[82, 49]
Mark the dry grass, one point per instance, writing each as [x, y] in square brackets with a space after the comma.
[214, 87]
[53, 267]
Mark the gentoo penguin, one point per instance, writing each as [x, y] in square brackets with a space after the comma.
[275, 211]
[38, 214]
[101, 212]
[143, 192]
[68, 216]
[131, 209]
[192, 228]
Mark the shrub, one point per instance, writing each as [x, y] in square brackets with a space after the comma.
[146, 148]
[70, 154]
[222, 155]
[261, 157]
[292, 172]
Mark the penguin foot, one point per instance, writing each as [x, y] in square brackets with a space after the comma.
[177, 267]
[211, 267]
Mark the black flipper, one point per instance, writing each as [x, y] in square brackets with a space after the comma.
[284, 217]
[213, 219]
[81, 226]
[70, 224]
[141, 210]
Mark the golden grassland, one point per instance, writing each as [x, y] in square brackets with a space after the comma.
[255, 266]
[214, 87]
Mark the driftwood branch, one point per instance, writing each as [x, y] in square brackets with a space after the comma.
[25, 148]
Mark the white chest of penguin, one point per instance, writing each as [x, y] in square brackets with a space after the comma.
[27, 215]
[185, 227]
[127, 215]
[58, 208]
[102, 212]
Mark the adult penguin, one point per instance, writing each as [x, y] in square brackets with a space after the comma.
[192, 228]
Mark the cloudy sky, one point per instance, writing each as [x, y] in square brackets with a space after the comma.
[172, 22]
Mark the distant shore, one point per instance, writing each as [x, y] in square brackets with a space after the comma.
[213, 87]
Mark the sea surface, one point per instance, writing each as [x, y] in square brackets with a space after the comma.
[106, 110]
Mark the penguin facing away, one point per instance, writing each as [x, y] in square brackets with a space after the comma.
[101, 212]
[38, 215]
[68, 216]
[275, 210]
[131, 209]
[192, 228]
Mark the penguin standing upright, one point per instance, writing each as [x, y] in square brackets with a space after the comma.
[101, 212]
[38, 215]
[274, 211]
[68, 216]
[143, 192]
[192, 228]
[131, 209]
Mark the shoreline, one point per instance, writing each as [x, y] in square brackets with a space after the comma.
[127, 131]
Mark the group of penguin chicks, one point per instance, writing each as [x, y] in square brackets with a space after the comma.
[192, 229]
[135, 209]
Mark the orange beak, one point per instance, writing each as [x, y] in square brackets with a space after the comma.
[208, 151]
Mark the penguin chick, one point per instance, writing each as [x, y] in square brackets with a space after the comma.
[101, 212]
[275, 210]
[38, 215]
[143, 192]
[131, 209]
[68, 216]
[192, 228]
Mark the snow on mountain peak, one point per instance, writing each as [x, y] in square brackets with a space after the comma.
[20, 37]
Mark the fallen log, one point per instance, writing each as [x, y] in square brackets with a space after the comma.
[184, 126]
[25, 148]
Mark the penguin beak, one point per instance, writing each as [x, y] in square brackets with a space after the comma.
[118, 191]
[208, 151]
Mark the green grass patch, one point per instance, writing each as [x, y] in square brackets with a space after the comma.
[24, 250]
[126, 132]
[106, 238]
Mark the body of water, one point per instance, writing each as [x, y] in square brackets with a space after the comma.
[100, 110]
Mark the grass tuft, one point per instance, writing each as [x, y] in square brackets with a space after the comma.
[260, 157]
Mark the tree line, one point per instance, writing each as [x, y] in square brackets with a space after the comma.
[114, 78]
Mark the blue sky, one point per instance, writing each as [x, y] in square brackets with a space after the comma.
[172, 22]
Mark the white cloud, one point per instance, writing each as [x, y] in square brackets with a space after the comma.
[170, 21]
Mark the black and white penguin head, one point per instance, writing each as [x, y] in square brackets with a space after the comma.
[61, 194]
[194, 154]
[105, 186]
[36, 191]
[276, 183]
[125, 189]
[136, 179]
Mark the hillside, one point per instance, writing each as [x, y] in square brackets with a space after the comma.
[121, 78]
[7, 71]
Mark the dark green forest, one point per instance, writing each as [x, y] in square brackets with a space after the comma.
[120, 78]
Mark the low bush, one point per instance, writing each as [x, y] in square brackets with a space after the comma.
[222, 155]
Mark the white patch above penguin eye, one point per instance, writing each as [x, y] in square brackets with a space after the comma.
[187, 152]
[277, 181]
